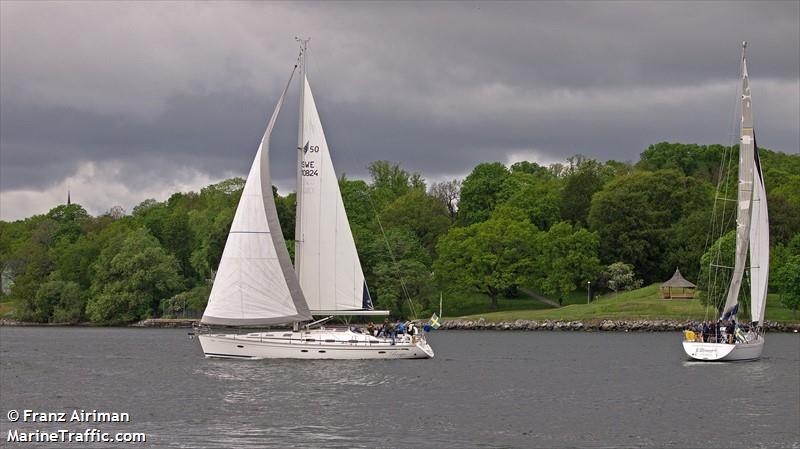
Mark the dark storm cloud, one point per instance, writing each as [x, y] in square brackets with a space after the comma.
[155, 93]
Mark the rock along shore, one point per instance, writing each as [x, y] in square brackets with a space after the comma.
[596, 325]
[481, 324]
[151, 322]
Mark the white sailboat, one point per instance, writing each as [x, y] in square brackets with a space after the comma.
[256, 284]
[752, 232]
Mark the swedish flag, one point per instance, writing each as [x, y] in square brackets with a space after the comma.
[434, 322]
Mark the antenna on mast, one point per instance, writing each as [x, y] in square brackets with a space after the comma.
[303, 46]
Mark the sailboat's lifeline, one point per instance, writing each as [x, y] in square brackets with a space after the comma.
[256, 284]
[752, 232]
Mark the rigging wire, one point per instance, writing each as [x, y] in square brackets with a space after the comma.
[391, 254]
[723, 183]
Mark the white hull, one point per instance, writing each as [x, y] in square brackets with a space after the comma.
[723, 351]
[314, 344]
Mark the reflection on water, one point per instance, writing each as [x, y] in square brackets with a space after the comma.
[336, 372]
[484, 389]
[259, 381]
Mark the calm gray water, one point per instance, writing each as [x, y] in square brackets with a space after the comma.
[483, 389]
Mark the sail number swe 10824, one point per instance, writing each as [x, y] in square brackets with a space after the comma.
[308, 168]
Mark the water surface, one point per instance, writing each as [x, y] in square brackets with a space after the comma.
[483, 389]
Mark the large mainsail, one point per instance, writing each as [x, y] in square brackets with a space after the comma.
[326, 260]
[256, 283]
[752, 226]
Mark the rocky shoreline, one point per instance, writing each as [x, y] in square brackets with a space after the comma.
[151, 322]
[481, 324]
[166, 322]
[596, 325]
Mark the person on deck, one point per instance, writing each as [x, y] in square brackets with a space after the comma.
[731, 330]
[410, 329]
[401, 327]
[391, 331]
[384, 329]
[371, 329]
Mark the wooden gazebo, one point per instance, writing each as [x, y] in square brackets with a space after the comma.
[677, 287]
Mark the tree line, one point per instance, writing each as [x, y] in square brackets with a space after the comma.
[499, 230]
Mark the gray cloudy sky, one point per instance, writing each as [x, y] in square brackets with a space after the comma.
[122, 101]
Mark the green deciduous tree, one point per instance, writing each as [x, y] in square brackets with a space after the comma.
[620, 276]
[787, 280]
[634, 216]
[784, 218]
[700, 161]
[420, 213]
[531, 168]
[481, 192]
[73, 261]
[567, 259]
[287, 209]
[390, 181]
[70, 219]
[395, 266]
[56, 301]
[714, 278]
[579, 186]
[132, 275]
[487, 257]
[32, 262]
[688, 241]
[538, 198]
[191, 301]
[357, 200]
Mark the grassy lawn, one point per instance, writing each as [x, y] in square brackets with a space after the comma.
[775, 310]
[7, 308]
[471, 303]
[643, 303]
[576, 297]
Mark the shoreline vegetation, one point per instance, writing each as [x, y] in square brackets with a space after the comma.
[592, 325]
[640, 310]
[506, 243]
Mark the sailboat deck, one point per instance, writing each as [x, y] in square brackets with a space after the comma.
[320, 337]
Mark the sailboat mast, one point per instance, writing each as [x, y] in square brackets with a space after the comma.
[298, 225]
[747, 112]
[745, 192]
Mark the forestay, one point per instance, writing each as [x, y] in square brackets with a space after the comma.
[327, 263]
[256, 283]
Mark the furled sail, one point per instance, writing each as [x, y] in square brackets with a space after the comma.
[256, 283]
[326, 260]
[745, 194]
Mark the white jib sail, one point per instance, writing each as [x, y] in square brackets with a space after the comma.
[745, 195]
[759, 247]
[256, 283]
[327, 262]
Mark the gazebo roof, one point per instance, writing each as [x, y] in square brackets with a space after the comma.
[677, 281]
